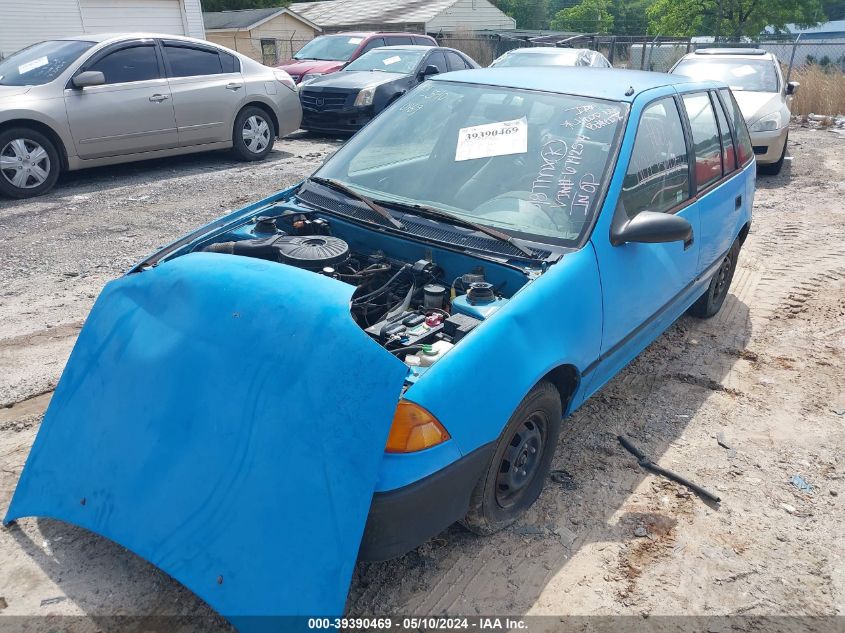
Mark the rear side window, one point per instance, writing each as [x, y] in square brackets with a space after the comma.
[423, 41]
[136, 63]
[743, 140]
[658, 174]
[189, 62]
[728, 152]
[705, 138]
[229, 62]
[397, 40]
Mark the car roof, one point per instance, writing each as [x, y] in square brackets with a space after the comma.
[117, 37]
[374, 34]
[717, 54]
[404, 47]
[548, 50]
[601, 83]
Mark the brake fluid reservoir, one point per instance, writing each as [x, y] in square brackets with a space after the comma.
[479, 301]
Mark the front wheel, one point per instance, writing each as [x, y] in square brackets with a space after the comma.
[253, 134]
[521, 461]
[773, 169]
[29, 163]
[711, 301]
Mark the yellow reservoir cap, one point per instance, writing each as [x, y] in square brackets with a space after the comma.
[414, 429]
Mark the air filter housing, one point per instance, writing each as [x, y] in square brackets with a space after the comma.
[313, 252]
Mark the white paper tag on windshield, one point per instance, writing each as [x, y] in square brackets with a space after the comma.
[492, 139]
[356, 40]
[391, 60]
[32, 65]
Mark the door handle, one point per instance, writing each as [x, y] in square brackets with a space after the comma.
[234, 86]
[157, 98]
[738, 202]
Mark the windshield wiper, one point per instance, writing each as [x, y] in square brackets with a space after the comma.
[420, 209]
[339, 186]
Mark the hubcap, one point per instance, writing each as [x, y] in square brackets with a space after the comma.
[521, 460]
[24, 163]
[722, 278]
[256, 134]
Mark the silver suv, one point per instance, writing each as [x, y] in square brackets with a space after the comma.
[756, 80]
[102, 99]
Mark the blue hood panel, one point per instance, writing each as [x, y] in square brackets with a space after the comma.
[224, 418]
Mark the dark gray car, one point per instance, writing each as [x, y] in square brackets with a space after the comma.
[96, 100]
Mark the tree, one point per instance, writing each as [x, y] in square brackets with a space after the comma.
[529, 14]
[228, 5]
[588, 16]
[729, 18]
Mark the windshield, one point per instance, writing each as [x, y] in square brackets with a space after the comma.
[563, 58]
[529, 163]
[755, 75]
[41, 63]
[387, 60]
[330, 48]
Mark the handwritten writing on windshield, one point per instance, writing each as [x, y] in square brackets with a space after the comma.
[560, 181]
[432, 96]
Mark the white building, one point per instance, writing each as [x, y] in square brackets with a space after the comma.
[24, 22]
[431, 16]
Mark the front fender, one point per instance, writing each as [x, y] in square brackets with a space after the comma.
[554, 320]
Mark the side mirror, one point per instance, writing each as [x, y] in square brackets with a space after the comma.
[650, 227]
[430, 70]
[792, 87]
[89, 78]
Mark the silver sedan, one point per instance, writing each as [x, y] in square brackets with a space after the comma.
[97, 100]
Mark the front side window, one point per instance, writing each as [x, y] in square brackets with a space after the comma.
[705, 139]
[529, 163]
[190, 62]
[744, 148]
[136, 63]
[387, 60]
[456, 62]
[330, 48]
[40, 63]
[657, 178]
[376, 42]
[437, 60]
[755, 75]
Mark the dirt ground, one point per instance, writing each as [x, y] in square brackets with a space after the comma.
[740, 404]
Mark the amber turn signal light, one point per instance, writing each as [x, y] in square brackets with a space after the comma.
[414, 429]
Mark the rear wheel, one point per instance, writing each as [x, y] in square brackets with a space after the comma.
[521, 461]
[253, 134]
[773, 169]
[711, 301]
[29, 163]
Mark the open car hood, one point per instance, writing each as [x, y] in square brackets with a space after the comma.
[224, 418]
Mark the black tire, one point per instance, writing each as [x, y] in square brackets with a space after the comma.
[504, 492]
[259, 145]
[711, 301]
[24, 143]
[773, 169]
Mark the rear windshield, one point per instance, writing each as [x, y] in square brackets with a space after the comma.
[330, 48]
[41, 63]
[569, 57]
[754, 75]
[388, 60]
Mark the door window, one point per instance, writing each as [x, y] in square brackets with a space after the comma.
[376, 42]
[189, 62]
[728, 153]
[456, 62]
[744, 149]
[437, 59]
[135, 63]
[705, 138]
[658, 174]
[398, 40]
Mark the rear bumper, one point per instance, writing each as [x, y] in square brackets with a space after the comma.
[344, 121]
[768, 146]
[403, 519]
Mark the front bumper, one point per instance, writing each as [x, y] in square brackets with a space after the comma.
[403, 519]
[344, 121]
[768, 146]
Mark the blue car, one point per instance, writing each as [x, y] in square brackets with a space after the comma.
[342, 370]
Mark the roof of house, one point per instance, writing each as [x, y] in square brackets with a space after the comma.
[246, 19]
[330, 13]
[834, 27]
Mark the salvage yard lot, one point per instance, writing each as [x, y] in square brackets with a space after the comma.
[766, 377]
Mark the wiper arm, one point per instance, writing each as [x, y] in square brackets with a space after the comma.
[380, 210]
[444, 215]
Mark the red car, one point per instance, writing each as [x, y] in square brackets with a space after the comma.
[329, 53]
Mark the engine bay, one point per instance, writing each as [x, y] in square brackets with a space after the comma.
[415, 300]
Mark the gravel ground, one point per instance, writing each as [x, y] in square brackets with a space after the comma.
[766, 377]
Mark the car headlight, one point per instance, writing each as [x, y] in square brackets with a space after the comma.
[309, 76]
[365, 96]
[768, 123]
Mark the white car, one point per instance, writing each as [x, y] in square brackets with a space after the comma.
[756, 79]
[552, 56]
